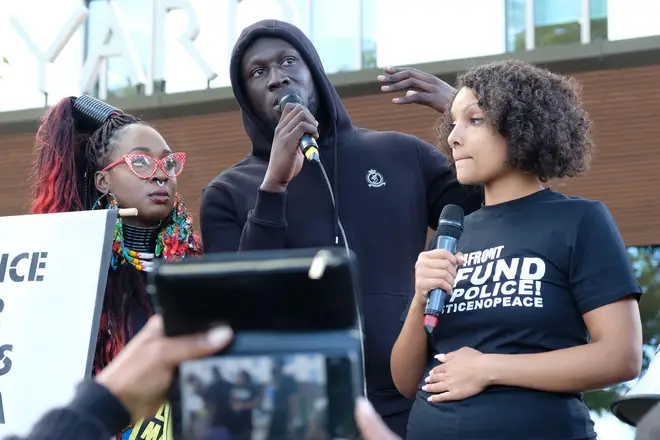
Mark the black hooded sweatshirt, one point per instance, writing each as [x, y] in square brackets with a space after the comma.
[389, 188]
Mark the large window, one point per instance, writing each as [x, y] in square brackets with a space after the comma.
[135, 18]
[369, 34]
[350, 46]
[646, 262]
[336, 33]
[555, 22]
[182, 70]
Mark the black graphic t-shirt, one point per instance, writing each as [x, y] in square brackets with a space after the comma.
[533, 267]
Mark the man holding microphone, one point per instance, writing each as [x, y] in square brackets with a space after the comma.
[373, 192]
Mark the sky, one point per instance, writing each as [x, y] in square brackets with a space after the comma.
[336, 44]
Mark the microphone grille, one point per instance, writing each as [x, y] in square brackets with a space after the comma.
[452, 213]
[451, 221]
[288, 96]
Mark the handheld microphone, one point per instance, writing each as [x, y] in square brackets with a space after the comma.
[307, 143]
[450, 228]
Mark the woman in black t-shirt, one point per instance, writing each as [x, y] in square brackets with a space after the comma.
[543, 299]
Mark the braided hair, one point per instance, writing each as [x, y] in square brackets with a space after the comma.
[66, 158]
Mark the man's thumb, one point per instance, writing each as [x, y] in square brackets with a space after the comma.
[183, 348]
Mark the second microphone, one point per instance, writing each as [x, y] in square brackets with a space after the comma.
[450, 229]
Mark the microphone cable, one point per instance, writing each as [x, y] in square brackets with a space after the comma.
[347, 248]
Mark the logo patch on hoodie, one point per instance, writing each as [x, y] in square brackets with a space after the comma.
[375, 179]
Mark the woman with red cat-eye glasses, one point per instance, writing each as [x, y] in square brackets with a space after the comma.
[90, 155]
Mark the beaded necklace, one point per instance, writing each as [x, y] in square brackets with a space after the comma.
[135, 246]
[172, 243]
[140, 247]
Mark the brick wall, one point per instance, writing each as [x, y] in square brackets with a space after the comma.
[625, 173]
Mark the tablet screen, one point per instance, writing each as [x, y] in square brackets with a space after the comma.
[262, 397]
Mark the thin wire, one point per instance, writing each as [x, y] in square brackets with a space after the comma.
[334, 205]
[348, 253]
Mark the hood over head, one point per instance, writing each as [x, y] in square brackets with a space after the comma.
[334, 119]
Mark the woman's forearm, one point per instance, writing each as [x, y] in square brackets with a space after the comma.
[576, 369]
[410, 353]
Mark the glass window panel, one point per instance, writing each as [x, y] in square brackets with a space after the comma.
[369, 34]
[296, 12]
[515, 25]
[338, 45]
[181, 72]
[598, 13]
[247, 12]
[556, 22]
[136, 17]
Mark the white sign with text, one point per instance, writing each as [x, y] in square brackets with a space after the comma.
[53, 271]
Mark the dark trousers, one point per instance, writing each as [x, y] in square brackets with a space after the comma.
[398, 422]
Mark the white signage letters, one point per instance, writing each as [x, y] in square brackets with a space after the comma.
[75, 21]
[117, 42]
[161, 9]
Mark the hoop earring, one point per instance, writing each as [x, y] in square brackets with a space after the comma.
[111, 203]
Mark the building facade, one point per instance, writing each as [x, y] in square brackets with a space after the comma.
[120, 48]
[620, 90]
[167, 61]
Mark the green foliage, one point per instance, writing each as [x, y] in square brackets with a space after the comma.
[562, 33]
[369, 59]
[123, 92]
[646, 261]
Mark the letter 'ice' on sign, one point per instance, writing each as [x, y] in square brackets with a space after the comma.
[115, 42]
[77, 18]
[161, 9]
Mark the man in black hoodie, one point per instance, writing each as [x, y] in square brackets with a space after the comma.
[388, 189]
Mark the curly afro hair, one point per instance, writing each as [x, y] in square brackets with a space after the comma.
[539, 113]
